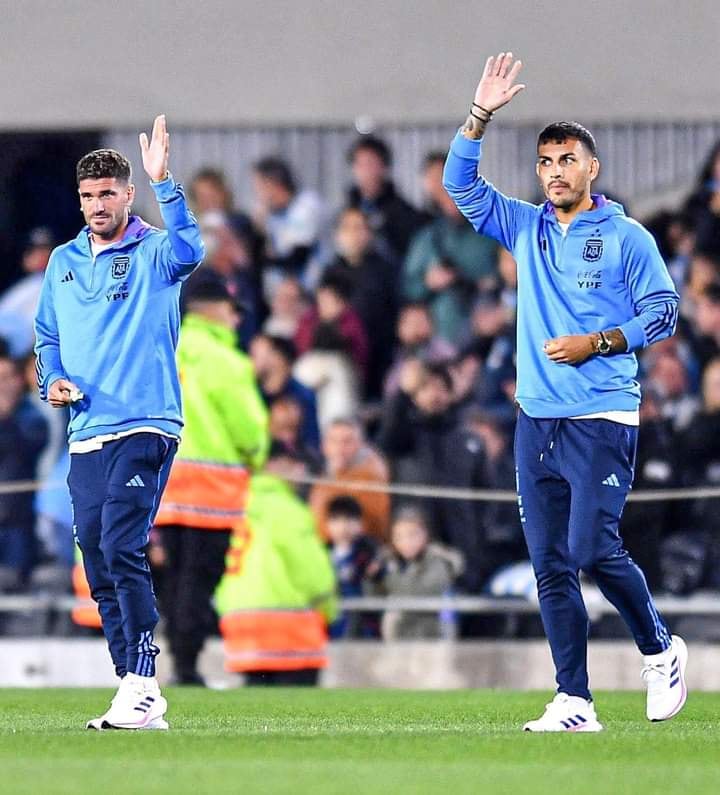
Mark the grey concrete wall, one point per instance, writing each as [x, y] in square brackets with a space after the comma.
[67, 63]
[415, 665]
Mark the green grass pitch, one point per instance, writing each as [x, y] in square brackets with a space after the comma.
[354, 742]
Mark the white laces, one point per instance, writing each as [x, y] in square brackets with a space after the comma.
[654, 672]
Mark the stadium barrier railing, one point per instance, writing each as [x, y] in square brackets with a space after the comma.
[705, 603]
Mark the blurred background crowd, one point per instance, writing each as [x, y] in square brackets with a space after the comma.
[381, 336]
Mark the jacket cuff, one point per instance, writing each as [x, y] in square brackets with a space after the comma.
[464, 147]
[165, 190]
[634, 333]
[49, 380]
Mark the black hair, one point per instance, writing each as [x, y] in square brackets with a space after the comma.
[283, 346]
[214, 176]
[708, 166]
[440, 371]
[436, 156]
[276, 170]
[103, 164]
[712, 293]
[560, 131]
[344, 506]
[336, 280]
[372, 144]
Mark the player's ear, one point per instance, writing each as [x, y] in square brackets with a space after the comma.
[130, 195]
[594, 168]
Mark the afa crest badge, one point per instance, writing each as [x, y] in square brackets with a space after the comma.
[593, 250]
[120, 267]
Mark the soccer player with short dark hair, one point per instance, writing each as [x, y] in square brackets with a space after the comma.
[107, 327]
[592, 289]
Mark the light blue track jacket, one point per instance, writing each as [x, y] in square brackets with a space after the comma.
[112, 326]
[605, 273]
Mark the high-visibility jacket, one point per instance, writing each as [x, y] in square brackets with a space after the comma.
[278, 591]
[85, 610]
[226, 430]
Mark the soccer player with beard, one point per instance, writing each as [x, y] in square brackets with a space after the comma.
[592, 290]
[107, 327]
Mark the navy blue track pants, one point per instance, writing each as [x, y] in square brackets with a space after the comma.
[115, 495]
[573, 477]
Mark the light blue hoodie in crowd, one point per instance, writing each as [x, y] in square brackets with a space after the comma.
[111, 325]
[605, 273]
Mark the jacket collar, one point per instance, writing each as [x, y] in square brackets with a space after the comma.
[603, 209]
[134, 232]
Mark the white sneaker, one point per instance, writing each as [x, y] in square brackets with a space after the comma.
[664, 675]
[566, 714]
[137, 704]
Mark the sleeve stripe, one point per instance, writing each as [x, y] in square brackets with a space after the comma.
[667, 321]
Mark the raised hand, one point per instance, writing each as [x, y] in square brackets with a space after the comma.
[497, 84]
[155, 152]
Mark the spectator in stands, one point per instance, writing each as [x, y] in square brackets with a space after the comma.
[349, 458]
[393, 220]
[373, 289]
[286, 420]
[704, 204]
[287, 307]
[23, 434]
[334, 350]
[700, 443]
[668, 375]
[504, 540]
[426, 442]
[19, 303]
[229, 256]
[675, 235]
[210, 193]
[704, 270]
[707, 324]
[56, 420]
[486, 365]
[448, 263]
[644, 525]
[294, 222]
[414, 566]
[353, 554]
[273, 358]
[418, 341]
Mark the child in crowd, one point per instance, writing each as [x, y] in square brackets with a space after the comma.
[353, 553]
[414, 566]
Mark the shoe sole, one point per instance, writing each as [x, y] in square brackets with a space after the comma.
[151, 720]
[598, 727]
[682, 655]
[99, 724]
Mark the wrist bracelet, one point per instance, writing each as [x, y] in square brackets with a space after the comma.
[485, 120]
[484, 110]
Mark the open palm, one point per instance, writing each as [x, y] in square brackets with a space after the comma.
[496, 87]
[155, 152]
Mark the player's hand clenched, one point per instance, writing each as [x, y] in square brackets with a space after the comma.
[573, 349]
[62, 393]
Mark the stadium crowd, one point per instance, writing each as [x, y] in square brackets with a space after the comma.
[382, 341]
